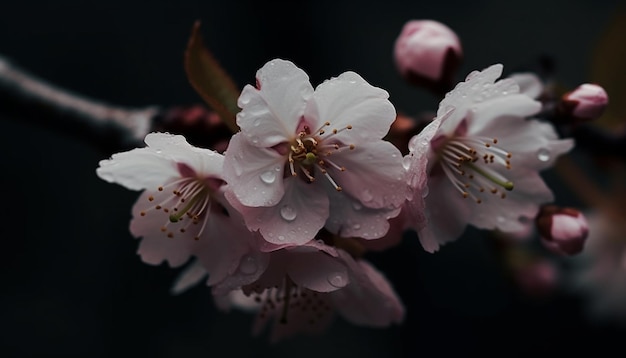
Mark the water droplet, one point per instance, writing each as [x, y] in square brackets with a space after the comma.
[543, 154]
[367, 196]
[268, 177]
[356, 226]
[356, 205]
[281, 238]
[406, 162]
[288, 213]
[248, 265]
[500, 219]
[394, 155]
[337, 280]
[425, 191]
[159, 151]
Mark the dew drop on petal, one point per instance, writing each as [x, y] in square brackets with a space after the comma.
[268, 177]
[543, 154]
[337, 280]
[356, 226]
[288, 213]
[248, 265]
[356, 205]
[425, 191]
[406, 162]
[281, 238]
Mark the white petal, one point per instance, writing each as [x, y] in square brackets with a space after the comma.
[484, 114]
[529, 84]
[137, 169]
[350, 100]
[255, 174]
[271, 114]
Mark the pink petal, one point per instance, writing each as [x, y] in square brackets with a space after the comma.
[271, 114]
[254, 174]
[191, 276]
[447, 214]
[349, 218]
[295, 219]
[373, 174]
[349, 100]
[156, 246]
[528, 193]
[369, 300]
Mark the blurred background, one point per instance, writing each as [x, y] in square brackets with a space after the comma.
[71, 282]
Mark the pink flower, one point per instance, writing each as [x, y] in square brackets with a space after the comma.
[428, 53]
[303, 287]
[181, 210]
[483, 160]
[304, 156]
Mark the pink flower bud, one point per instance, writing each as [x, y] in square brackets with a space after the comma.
[563, 230]
[428, 53]
[587, 102]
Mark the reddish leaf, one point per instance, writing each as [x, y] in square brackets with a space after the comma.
[208, 78]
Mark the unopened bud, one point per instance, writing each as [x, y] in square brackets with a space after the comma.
[563, 230]
[428, 53]
[586, 103]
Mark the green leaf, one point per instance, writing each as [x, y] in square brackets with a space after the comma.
[210, 80]
[608, 69]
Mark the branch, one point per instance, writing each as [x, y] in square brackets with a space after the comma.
[113, 128]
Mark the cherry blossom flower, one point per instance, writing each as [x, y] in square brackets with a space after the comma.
[304, 156]
[483, 160]
[181, 212]
[304, 286]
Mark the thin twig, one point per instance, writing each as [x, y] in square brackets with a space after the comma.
[111, 126]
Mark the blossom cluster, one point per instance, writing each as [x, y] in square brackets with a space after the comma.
[279, 221]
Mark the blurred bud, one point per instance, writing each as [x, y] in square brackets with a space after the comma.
[428, 53]
[587, 102]
[200, 126]
[563, 230]
[538, 277]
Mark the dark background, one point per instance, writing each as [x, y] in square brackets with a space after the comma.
[71, 283]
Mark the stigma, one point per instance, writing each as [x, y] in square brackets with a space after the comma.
[475, 166]
[310, 153]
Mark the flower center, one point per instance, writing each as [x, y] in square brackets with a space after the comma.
[186, 203]
[310, 153]
[290, 300]
[473, 164]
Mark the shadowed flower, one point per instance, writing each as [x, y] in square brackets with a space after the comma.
[484, 159]
[304, 286]
[304, 156]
